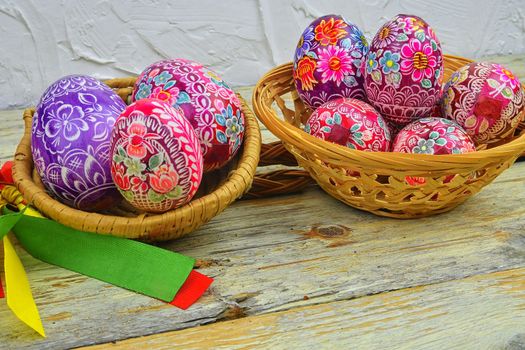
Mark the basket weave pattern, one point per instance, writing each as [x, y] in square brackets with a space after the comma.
[218, 189]
[377, 181]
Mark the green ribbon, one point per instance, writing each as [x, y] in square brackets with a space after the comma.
[143, 268]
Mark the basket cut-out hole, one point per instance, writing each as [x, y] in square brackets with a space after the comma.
[408, 198]
[382, 179]
[355, 191]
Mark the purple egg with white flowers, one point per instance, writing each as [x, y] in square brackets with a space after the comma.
[327, 61]
[70, 141]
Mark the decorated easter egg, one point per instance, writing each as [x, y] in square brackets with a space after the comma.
[327, 60]
[352, 123]
[156, 158]
[433, 136]
[204, 99]
[70, 138]
[404, 70]
[486, 99]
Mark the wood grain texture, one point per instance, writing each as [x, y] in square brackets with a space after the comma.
[286, 252]
[278, 254]
[480, 312]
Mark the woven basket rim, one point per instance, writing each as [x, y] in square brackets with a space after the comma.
[298, 138]
[238, 182]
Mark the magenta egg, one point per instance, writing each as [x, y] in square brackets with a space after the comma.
[486, 99]
[156, 158]
[404, 70]
[327, 61]
[212, 108]
[71, 138]
[352, 123]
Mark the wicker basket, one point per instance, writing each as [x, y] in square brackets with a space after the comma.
[218, 189]
[380, 185]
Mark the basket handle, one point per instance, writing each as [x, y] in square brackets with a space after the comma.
[281, 181]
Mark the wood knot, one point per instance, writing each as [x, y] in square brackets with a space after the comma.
[233, 312]
[330, 231]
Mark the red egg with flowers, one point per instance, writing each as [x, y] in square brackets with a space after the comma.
[486, 99]
[351, 123]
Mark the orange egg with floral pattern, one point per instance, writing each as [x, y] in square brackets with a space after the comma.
[327, 61]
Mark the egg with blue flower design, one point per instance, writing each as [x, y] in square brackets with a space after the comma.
[351, 123]
[403, 70]
[431, 136]
[210, 105]
[327, 61]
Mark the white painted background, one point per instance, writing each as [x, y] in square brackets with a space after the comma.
[241, 39]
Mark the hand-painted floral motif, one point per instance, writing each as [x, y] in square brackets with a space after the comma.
[305, 72]
[156, 156]
[328, 31]
[352, 123]
[305, 43]
[70, 141]
[386, 35]
[334, 64]
[201, 95]
[432, 136]
[418, 60]
[389, 62]
[404, 70]
[486, 99]
[327, 61]
[371, 62]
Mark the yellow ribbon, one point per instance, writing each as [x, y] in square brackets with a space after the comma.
[18, 291]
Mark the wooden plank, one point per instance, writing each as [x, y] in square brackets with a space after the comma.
[481, 312]
[266, 256]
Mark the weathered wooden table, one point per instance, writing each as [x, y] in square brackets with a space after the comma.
[306, 271]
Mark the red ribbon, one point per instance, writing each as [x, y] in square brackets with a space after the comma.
[1, 290]
[192, 289]
[6, 174]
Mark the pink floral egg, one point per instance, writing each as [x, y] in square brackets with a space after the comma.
[212, 108]
[327, 60]
[352, 123]
[156, 156]
[486, 99]
[404, 70]
[433, 136]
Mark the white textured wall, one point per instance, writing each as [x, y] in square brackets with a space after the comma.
[241, 39]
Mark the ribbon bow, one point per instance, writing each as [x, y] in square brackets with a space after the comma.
[129, 264]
